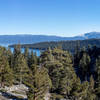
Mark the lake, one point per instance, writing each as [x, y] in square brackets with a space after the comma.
[37, 51]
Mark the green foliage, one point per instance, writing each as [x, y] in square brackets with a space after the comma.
[98, 76]
[53, 72]
[66, 45]
[61, 72]
[20, 66]
[40, 83]
[85, 64]
[6, 74]
[26, 54]
[32, 59]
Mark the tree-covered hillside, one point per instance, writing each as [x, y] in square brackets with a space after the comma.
[56, 73]
[65, 45]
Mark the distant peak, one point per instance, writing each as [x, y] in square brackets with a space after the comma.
[90, 33]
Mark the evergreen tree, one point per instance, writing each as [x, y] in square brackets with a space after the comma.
[32, 59]
[40, 83]
[54, 70]
[85, 65]
[98, 76]
[20, 68]
[60, 71]
[47, 56]
[84, 92]
[6, 75]
[26, 54]
[76, 57]
[10, 57]
[91, 90]
[17, 50]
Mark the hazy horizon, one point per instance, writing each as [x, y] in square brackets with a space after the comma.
[51, 34]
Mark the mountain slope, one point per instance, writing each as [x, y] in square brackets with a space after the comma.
[92, 35]
[66, 45]
[28, 39]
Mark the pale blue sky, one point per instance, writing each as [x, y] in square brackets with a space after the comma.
[49, 17]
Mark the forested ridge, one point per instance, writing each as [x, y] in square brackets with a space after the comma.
[57, 72]
[66, 45]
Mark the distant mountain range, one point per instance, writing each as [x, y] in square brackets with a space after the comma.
[29, 39]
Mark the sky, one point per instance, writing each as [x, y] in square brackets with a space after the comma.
[49, 17]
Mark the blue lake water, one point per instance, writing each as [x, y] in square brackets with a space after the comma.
[37, 51]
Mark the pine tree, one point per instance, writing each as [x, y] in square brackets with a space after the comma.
[91, 90]
[86, 92]
[20, 68]
[26, 54]
[76, 90]
[76, 58]
[10, 57]
[40, 83]
[17, 50]
[85, 65]
[6, 75]
[68, 77]
[60, 71]
[32, 83]
[54, 70]
[47, 56]
[50, 57]
[32, 59]
[98, 76]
